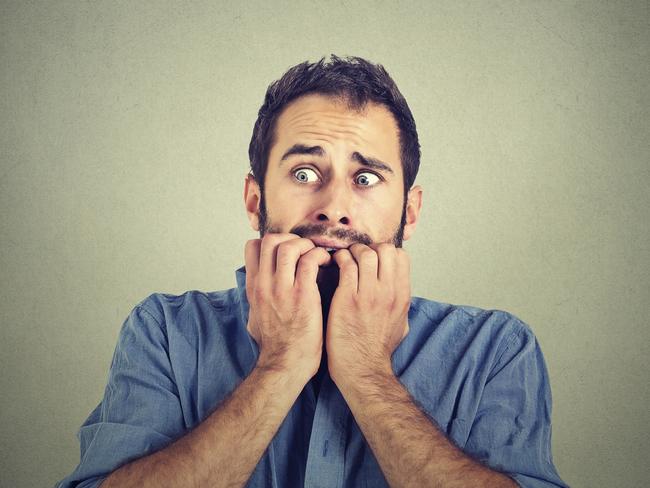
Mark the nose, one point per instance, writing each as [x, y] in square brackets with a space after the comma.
[334, 206]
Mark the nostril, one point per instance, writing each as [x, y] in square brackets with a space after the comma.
[344, 220]
[322, 217]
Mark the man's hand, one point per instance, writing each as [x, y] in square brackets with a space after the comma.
[368, 317]
[285, 316]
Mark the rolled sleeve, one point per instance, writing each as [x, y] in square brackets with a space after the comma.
[140, 412]
[512, 428]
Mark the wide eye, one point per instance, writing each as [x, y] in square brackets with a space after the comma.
[367, 179]
[305, 175]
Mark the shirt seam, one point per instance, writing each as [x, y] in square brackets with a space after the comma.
[144, 308]
[163, 329]
[511, 338]
[514, 335]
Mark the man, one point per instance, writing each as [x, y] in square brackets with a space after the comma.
[319, 369]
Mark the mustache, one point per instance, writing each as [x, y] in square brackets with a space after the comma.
[348, 235]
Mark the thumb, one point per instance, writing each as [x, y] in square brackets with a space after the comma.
[406, 330]
[252, 330]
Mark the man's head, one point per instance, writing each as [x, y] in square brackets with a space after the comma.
[334, 154]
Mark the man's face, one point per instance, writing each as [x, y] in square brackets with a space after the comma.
[334, 176]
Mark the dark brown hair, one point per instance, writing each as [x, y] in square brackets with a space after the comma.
[352, 80]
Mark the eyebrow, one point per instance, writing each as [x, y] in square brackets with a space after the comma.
[302, 149]
[367, 161]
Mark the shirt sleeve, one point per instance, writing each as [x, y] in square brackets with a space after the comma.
[140, 412]
[512, 428]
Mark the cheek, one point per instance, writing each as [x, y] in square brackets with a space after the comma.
[286, 210]
[381, 215]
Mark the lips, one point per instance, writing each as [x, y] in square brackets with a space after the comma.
[330, 245]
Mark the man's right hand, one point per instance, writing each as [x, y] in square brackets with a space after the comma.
[285, 316]
[285, 319]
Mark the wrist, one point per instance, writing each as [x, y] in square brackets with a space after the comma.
[363, 377]
[283, 367]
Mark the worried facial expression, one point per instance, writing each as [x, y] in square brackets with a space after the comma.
[334, 176]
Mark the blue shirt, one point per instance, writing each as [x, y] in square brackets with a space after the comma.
[479, 374]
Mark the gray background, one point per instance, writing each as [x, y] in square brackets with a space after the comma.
[123, 149]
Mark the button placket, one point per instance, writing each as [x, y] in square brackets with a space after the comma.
[326, 455]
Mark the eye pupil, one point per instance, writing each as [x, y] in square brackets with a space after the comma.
[363, 180]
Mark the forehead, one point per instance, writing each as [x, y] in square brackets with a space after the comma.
[327, 121]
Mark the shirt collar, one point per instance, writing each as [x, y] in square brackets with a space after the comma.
[400, 355]
[240, 276]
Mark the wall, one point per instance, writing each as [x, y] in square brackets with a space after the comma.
[123, 148]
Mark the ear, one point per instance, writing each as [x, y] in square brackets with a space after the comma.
[252, 197]
[413, 206]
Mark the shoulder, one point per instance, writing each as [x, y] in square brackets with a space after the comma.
[435, 313]
[496, 329]
[170, 310]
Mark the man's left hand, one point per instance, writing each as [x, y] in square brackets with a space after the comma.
[368, 316]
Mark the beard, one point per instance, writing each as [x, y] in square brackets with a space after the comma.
[328, 276]
[313, 230]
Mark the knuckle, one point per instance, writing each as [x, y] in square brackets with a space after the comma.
[306, 242]
[285, 254]
[303, 266]
[303, 277]
[309, 257]
[266, 248]
[342, 253]
[385, 247]
[259, 294]
[347, 265]
[252, 246]
[272, 241]
[368, 256]
[250, 292]
[269, 240]
[268, 237]
[277, 293]
[320, 252]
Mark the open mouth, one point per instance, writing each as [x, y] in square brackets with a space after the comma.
[329, 244]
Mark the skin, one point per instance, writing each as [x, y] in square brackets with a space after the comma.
[289, 278]
[334, 196]
[331, 199]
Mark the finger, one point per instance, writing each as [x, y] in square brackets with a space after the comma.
[252, 260]
[270, 243]
[308, 264]
[348, 270]
[403, 274]
[406, 331]
[386, 261]
[367, 262]
[287, 256]
[252, 331]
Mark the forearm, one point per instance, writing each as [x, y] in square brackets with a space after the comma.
[410, 448]
[225, 448]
